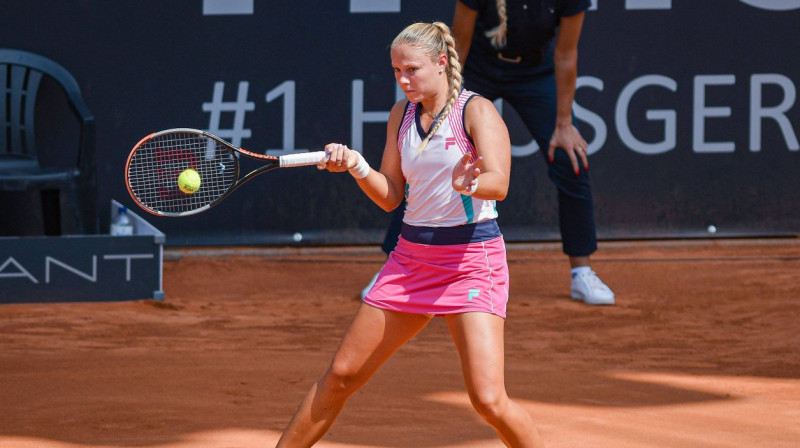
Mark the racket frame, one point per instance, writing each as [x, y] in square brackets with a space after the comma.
[270, 163]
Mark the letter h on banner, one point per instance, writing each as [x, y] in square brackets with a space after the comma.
[368, 6]
[360, 117]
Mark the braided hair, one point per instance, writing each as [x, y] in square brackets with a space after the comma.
[435, 39]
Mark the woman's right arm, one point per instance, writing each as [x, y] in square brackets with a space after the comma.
[463, 28]
[386, 187]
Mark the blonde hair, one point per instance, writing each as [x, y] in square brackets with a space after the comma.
[497, 35]
[435, 39]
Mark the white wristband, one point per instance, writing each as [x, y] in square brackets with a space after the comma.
[471, 190]
[361, 169]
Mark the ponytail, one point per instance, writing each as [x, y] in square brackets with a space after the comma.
[497, 35]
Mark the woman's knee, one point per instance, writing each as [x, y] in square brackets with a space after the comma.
[562, 174]
[341, 378]
[490, 404]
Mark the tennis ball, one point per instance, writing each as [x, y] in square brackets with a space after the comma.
[189, 181]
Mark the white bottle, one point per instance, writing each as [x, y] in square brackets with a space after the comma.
[122, 225]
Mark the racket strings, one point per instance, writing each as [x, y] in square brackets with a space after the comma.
[154, 168]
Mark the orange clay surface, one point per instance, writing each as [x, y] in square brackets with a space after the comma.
[702, 350]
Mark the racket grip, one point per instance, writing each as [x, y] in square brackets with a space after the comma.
[302, 159]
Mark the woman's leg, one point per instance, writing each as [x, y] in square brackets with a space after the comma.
[479, 339]
[535, 101]
[373, 336]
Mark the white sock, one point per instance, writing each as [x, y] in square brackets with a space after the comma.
[579, 269]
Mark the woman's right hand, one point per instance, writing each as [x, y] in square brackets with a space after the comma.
[340, 158]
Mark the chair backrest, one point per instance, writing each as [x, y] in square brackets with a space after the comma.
[20, 75]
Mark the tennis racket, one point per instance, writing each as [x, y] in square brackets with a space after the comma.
[156, 162]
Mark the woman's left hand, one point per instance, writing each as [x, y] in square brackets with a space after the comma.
[465, 174]
[570, 140]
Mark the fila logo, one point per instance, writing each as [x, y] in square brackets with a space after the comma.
[449, 141]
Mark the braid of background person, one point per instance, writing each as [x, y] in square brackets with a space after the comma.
[435, 39]
[498, 34]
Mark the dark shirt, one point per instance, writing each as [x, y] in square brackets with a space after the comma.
[532, 27]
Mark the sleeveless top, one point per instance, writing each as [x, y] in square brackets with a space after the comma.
[431, 199]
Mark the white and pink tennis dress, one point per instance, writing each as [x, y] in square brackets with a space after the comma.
[450, 257]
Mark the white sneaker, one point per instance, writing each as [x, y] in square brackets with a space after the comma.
[586, 286]
[370, 285]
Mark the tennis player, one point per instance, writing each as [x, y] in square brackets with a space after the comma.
[448, 152]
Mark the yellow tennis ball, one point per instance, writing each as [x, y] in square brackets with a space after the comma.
[189, 181]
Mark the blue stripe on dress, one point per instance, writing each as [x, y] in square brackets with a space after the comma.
[470, 212]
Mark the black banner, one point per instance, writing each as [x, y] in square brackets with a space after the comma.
[88, 269]
[690, 108]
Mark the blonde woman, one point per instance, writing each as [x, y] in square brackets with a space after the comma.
[448, 153]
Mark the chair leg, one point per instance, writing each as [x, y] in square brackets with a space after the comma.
[87, 216]
[51, 212]
[72, 210]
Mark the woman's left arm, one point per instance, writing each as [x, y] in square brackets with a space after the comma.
[565, 135]
[490, 136]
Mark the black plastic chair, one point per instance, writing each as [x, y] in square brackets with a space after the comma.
[69, 193]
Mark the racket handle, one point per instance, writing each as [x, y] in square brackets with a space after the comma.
[302, 159]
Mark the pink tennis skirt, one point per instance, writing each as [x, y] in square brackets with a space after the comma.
[443, 279]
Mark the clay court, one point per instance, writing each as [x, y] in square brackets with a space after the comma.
[702, 349]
